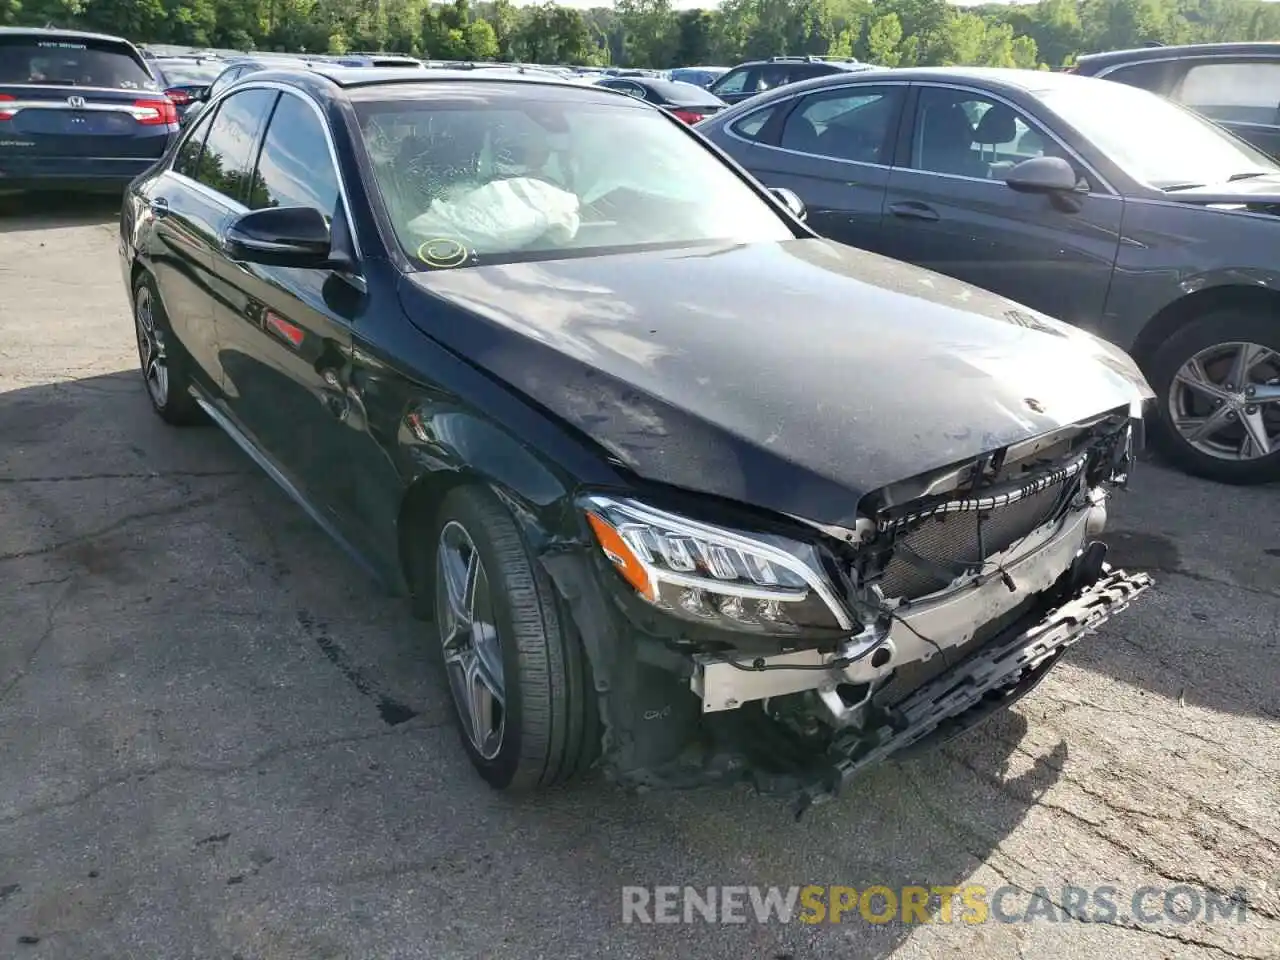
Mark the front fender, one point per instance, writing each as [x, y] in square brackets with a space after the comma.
[1170, 251]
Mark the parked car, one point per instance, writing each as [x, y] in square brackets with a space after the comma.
[185, 80]
[748, 79]
[702, 76]
[666, 472]
[685, 101]
[1105, 205]
[77, 111]
[1234, 84]
[375, 60]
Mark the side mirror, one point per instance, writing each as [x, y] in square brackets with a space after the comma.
[791, 201]
[280, 237]
[1045, 175]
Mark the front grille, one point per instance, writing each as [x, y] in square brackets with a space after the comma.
[952, 541]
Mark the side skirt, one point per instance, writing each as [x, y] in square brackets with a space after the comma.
[268, 466]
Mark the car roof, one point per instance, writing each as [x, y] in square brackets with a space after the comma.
[373, 83]
[1265, 48]
[54, 32]
[994, 78]
[841, 64]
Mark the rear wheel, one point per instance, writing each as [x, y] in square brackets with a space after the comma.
[516, 669]
[1218, 383]
[163, 370]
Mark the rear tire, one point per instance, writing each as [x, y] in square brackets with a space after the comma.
[164, 366]
[1208, 429]
[541, 726]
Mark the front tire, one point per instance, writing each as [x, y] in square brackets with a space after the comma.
[1217, 381]
[519, 678]
[163, 368]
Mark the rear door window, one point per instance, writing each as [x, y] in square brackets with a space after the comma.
[742, 80]
[228, 154]
[1240, 91]
[773, 76]
[72, 62]
[852, 123]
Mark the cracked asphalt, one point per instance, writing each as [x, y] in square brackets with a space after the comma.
[219, 739]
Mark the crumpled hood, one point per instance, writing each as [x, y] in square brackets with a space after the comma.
[796, 376]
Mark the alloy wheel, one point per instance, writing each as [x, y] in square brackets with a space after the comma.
[1225, 401]
[151, 352]
[469, 637]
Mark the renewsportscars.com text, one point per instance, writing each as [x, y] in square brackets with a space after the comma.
[971, 903]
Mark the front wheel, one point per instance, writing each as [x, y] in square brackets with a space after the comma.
[1218, 384]
[516, 669]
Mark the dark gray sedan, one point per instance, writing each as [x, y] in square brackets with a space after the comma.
[1101, 204]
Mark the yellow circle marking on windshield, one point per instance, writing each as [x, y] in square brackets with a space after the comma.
[442, 252]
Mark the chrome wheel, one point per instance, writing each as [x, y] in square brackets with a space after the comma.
[151, 353]
[1225, 401]
[469, 636]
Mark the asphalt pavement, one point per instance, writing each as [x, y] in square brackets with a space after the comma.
[219, 739]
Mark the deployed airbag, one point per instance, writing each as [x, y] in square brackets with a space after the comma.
[501, 216]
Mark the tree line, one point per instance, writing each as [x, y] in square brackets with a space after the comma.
[651, 33]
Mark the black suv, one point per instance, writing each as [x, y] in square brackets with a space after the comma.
[747, 79]
[1234, 84]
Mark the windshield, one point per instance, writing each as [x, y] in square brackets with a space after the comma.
[179, 74]
[1153, 139]
[470, 182]
[71, 62]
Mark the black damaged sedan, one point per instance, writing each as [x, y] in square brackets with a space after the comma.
[677, 487]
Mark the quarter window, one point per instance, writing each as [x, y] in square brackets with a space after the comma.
[224, 80]
[967, 135]
[228, 151]
[1240, 91]
[752, 126]
[187, 162]
[294, 168]
[847, 124]
[1153, 76]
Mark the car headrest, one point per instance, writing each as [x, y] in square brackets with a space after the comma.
[996, 126]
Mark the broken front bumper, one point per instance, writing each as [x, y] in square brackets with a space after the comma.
[990, 679]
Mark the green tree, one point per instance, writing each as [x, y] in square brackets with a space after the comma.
[883, 40]
[482, 42]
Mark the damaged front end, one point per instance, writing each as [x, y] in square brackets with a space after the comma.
[794, 655]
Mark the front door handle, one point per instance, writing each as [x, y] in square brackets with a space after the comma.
[159, 206]
[913, 210]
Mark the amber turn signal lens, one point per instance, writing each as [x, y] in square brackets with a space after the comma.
[621, 556]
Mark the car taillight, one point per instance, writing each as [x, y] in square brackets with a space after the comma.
[155, 113]
[179, 97]
[688, 116]
[6, 114]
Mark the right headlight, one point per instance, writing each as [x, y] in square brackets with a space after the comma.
[715, 575]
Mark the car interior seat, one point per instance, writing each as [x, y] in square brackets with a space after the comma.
[946, 143]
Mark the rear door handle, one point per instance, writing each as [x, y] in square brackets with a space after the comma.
[159, 206]
[913, 210]
[334, 395]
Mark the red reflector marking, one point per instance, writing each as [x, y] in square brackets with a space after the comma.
[284, 329]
